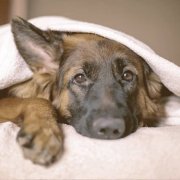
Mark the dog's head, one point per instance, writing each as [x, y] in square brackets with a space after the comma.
[99, 86]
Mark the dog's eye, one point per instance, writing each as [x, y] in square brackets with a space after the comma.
[127, 76]
[79, 78]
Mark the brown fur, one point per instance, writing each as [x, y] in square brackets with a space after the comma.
[33, 99]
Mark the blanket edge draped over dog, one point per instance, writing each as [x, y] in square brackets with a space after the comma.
[168, 72]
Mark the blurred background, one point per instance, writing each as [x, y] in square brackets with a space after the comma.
[155, 22]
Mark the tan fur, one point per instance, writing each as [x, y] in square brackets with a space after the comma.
[154, 86]
[150, 110]
[40, 120]
[39, 86]
[62, 103]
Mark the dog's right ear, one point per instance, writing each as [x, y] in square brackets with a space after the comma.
[41, 50]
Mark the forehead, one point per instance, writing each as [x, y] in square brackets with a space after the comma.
[93, 50]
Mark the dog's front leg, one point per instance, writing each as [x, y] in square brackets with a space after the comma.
[40, 136]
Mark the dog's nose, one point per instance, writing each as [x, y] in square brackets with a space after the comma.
[108, 128]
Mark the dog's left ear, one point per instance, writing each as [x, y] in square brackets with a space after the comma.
[152, 82]
[41, 50]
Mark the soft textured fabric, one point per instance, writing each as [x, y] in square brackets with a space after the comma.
[149, 153]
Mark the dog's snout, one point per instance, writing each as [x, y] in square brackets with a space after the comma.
[108, 128]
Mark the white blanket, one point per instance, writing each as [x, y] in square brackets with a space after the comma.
[148, 153]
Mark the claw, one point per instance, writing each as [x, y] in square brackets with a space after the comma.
[39, 146]
[25, 139]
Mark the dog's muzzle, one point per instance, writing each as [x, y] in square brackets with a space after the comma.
[107, 128]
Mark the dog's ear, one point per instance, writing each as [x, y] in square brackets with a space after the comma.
[40, 49]
[152, 82]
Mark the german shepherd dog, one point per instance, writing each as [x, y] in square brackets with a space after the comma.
[100, 87]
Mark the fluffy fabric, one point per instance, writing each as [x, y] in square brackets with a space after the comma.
[148, 153]
[12, 67]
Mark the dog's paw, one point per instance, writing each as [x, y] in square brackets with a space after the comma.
[41, 145]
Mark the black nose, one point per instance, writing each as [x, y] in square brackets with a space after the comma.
[108, 128]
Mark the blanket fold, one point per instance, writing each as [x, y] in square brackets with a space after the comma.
[150, 153]
[168, 72]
